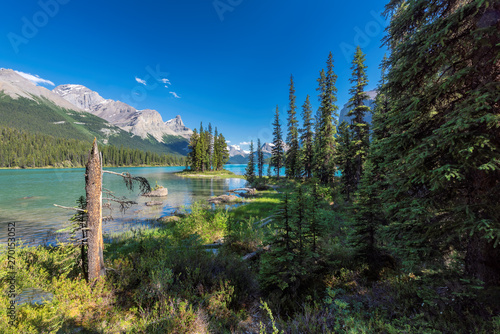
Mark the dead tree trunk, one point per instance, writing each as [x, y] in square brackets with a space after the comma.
[93, 189]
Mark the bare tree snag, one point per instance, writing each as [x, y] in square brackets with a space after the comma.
[93, 189]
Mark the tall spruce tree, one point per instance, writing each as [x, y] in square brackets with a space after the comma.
[223, 152]
[210, 147]
[250, 170]
[216, 150]
[442, 155]
[292, 162]
[358, 110]
[345, 160]
[370, 216]
[307, 138]
[277, 158]
[260, 158]
[325, 143]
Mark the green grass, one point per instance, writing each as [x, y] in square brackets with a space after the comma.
[162, 280]
[262, 206]
[219, 174]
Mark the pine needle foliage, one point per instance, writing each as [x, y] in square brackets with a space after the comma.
[443, 152]
[292, 161]
[358, 110]
[307, 139]
[325, 143]
[278, 157]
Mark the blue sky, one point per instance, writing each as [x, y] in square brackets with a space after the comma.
[227, 62]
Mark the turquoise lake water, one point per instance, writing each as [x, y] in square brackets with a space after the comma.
[27, 198]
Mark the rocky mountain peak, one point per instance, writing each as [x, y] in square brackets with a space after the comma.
[139, 122]
[15, 85]
[80, 96]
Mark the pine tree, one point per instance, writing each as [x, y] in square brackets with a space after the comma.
[278, 267]
[306, 139]
[224, 152]
[292, 161]
[442, 155]
[370, 216]
[250, 170]
[345, 160]
[358, 110]
[192, 157]
[277, 158]
[216, 150]
[260, 158]
[325, 144]
[210, 147]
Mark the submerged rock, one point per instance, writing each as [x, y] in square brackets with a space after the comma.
[154, 203]
[160, 192]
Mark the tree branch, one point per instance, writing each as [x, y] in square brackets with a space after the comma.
[70, 208]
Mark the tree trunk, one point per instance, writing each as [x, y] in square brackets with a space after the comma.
[93, 188]
[483, 260]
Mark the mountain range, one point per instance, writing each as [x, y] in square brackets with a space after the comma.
[239, 156]
[75, 111]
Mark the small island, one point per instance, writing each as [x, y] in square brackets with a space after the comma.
[215, 174]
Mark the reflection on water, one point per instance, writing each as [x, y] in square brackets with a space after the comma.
[27, 198]
[34, 296]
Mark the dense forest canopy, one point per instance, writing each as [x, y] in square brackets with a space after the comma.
[30, 149]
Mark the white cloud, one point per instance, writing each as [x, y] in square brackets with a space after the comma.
[175, 95]
[166, 86]
[228, 141]
[35, 78]
[245, 143]
[139, 80]
[236, 147]
[166, 81]
[246, 152]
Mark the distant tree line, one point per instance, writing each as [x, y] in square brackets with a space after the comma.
[23, 149]
[207, 151]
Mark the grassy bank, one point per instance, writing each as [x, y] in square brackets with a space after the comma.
[219, 174]
[166, 280]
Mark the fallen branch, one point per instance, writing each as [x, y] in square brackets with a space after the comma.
[144, 185]
[69, 208]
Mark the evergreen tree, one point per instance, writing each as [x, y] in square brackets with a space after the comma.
[216, 150]
[193, 143]
[250, 170]
[277, 158]
[224, 152]
[442, 155]
[358, 110]
[292, 161]
[306, 139]
[345, 160]
[369, 214]
[210, 147]
[260, 158]
[278, 267]
[325, 145]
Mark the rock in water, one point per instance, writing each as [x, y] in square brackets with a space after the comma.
[154, 203]
[160, 192]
